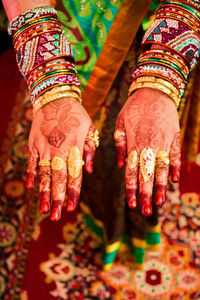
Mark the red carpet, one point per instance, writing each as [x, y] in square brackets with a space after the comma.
[9, 84]
[41, 260]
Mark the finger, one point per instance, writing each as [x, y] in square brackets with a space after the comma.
[120, 141]
[32, 167]
[146, 179]
[59, 183]
[161, 177]
[131, 178]
[89, 151]
[73, 192]
[175, 158]
[45, 187]
[75, 164]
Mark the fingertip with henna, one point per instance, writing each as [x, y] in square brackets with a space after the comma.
[160, 194]
[55, 214]
[132, 203]
[131, 198]
[147, 209]
[160, 199]
[72, 199]
[175, 177]
[70, 206]
[44, 207]
[89, 167]
[146, 205]
[120, 161]
[30, 177]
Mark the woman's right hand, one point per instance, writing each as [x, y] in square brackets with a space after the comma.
[58, 127]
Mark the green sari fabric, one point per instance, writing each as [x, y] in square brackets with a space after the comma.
[89, 23]
[101, 34]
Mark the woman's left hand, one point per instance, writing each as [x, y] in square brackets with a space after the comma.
[148, 138]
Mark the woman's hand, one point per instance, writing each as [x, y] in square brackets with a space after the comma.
[148, 119]
[57, 128]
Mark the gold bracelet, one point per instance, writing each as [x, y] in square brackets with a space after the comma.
[49, 98]
[155, 85]
[58, 89]
[164, 82]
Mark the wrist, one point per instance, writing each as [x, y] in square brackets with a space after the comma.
[149, 95]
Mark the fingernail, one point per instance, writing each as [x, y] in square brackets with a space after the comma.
[132, 203]
[120, 161]
[89, 167]
[55, 214]
[70, 205]
[160, 199]
[44, 207]
[175, 177]
[147, 209]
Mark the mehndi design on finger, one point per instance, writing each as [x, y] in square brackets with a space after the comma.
[58, 163]
[32, 168]
[132, 159]
[147, 163]
[45, 188]
[75, 162]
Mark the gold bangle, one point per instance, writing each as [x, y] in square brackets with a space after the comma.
[49, 98]
[158, 86]
[164, 82]
[58, 89]
[63, 88]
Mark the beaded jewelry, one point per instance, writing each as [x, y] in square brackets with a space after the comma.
[177, 29]
[44, 56]
[174, 32]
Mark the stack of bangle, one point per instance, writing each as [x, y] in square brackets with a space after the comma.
[179, 11]
[51, 73]
[176, 30]
[163, 64]
[193, 3]
[158, 84]
[44, 56]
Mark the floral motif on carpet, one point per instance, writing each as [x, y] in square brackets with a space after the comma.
[74, 268]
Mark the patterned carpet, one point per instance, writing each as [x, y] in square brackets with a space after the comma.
[55, 261]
